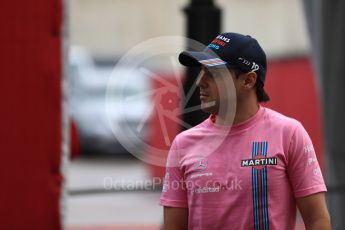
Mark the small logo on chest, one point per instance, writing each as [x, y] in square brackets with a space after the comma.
[201, 165]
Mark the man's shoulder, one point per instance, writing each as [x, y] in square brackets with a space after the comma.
[279, 119]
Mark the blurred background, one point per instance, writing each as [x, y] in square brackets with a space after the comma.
[100, 33]
[104, 99]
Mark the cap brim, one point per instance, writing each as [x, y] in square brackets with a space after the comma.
[193, 58]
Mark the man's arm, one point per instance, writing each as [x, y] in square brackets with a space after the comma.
[175, 218]
[314, 212]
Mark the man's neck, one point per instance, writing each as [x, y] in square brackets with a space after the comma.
[243, 113]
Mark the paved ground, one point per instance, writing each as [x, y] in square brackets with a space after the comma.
[95, 203]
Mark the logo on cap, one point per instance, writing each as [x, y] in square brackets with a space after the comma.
[252, 65]
[213, 62]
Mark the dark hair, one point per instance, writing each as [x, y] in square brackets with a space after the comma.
[260, 91]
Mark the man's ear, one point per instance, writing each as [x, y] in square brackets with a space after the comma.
[250, 80]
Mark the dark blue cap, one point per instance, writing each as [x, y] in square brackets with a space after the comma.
[230, 50]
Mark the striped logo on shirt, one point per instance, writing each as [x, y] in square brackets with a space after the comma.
[259, 187]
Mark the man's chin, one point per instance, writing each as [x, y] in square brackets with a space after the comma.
[209, 107]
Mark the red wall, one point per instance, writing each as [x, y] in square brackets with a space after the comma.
[292, 86]
[30, 133]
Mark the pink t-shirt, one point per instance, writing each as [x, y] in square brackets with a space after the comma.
[247, 178]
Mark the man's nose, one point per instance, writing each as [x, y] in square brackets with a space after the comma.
[200, 81]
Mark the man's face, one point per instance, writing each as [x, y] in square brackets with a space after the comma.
[214, 87]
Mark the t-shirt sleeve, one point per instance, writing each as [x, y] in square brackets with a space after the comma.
[174, 192]
[303, 168]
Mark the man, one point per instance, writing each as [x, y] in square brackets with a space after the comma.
[246, 166]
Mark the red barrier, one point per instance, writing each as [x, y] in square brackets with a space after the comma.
[163, 129]
[30, 134]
